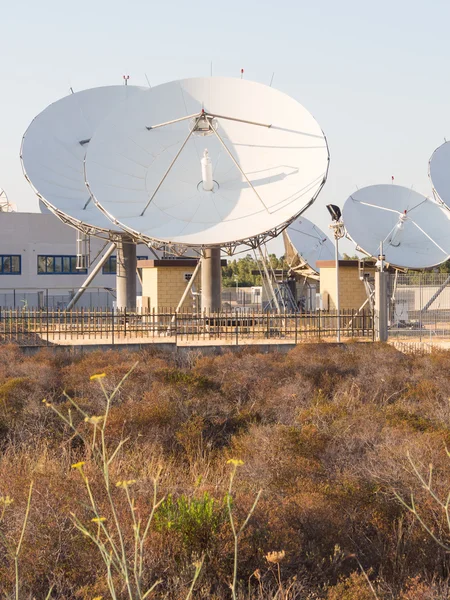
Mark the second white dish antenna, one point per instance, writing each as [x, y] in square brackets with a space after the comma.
[5, 204]
[414, 230]
[439, 173]
[305, 244]
[53, 151]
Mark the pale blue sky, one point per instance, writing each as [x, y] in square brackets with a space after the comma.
[375, 75]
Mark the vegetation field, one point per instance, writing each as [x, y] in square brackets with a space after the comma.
[120, 488]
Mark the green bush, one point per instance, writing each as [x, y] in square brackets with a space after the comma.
[196, 520]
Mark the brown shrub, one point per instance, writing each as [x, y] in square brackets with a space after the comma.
[321, 430]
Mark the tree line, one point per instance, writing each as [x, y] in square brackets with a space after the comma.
[245, 271]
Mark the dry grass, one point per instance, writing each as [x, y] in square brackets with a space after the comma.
[324, 431]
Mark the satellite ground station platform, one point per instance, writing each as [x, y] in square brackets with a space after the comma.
[211, 165]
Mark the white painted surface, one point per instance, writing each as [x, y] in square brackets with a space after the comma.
[439, 172]
[310, 242]
[33, 234]
[53, 158]
[415, 230]
[285, 163]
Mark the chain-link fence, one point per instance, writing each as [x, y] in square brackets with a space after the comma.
[420, 305]
[55, 298]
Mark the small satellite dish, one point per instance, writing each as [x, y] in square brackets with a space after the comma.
[5, 204]
[305, 244]
[415, 230]
[206, 162]
[54, 148]
[439, 173]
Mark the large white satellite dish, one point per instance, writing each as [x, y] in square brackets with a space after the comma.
[266, 161]
[308, 244]
[54, 148]
[5, 204]
[439, 173]
[415, 230]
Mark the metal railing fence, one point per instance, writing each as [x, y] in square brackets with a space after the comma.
[108, 326]
[420, 305]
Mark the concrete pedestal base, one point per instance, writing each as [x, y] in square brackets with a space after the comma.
[126, 274]
[381, 306]
[211, 280]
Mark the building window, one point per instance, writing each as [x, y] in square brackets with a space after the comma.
[10, 264]
[58, 265]
[110, 266]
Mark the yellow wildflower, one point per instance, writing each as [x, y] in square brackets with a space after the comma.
[235, 461]
[98, 519]
[78, 465]
[97, 376]
[97, 598]
[6, 500]
[94, 420]
[125, 483]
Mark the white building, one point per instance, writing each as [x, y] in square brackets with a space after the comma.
[38, 264]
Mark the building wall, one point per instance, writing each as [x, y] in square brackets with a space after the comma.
[165, 285]
[352, 293]
[33, 234]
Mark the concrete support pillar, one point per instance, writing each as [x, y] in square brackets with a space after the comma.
[126, 274]
[211, 280]
[381, 306]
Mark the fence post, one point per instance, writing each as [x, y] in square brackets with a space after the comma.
[112, 325]
[421, 304]
[176, 328]
[296, 326]
[237, 329]
[320, 319]
[47, 324]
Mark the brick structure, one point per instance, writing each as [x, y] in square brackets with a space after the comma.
[352, 293]
[164, 281]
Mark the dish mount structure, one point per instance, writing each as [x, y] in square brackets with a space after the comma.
[204, 164]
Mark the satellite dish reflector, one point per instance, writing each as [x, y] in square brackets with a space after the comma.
[5, 204]
[266, 160]
[306, 244]
[439, 173]
[43, 208]
[415, 230]
[54, 147]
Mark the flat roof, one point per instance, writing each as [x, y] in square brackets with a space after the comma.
[330, 264]
[172, 262]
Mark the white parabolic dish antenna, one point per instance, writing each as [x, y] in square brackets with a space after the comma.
[54, 147]
[439, 173]
[266, 161]
[415, 230]
[5, 204]
[309, 242]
